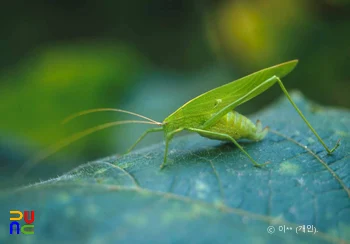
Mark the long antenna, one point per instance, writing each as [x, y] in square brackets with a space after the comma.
[89, 111]
[69, 140]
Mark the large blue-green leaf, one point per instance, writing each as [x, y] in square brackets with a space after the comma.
[210, 192]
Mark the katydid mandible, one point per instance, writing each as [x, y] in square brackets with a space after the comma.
[210, 115]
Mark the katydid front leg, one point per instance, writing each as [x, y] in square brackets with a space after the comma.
[168, 138]
[143, 136]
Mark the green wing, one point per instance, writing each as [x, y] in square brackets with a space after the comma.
[204, 106]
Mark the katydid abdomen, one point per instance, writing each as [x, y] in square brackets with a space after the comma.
[237, 126]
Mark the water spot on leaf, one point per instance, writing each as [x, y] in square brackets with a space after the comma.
[288, 168]
[310, 140]
[202, 188]
[91, 209]
[125, 165]
[136, 220]
[341, 133]
[301, 181]
[70, 211]
[63, 197]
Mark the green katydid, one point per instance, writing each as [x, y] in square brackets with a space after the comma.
[211, 114]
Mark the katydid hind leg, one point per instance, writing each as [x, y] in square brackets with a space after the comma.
[225, 136]
[305, 120]
[143, 136]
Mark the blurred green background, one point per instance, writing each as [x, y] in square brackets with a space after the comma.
[150, 57]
